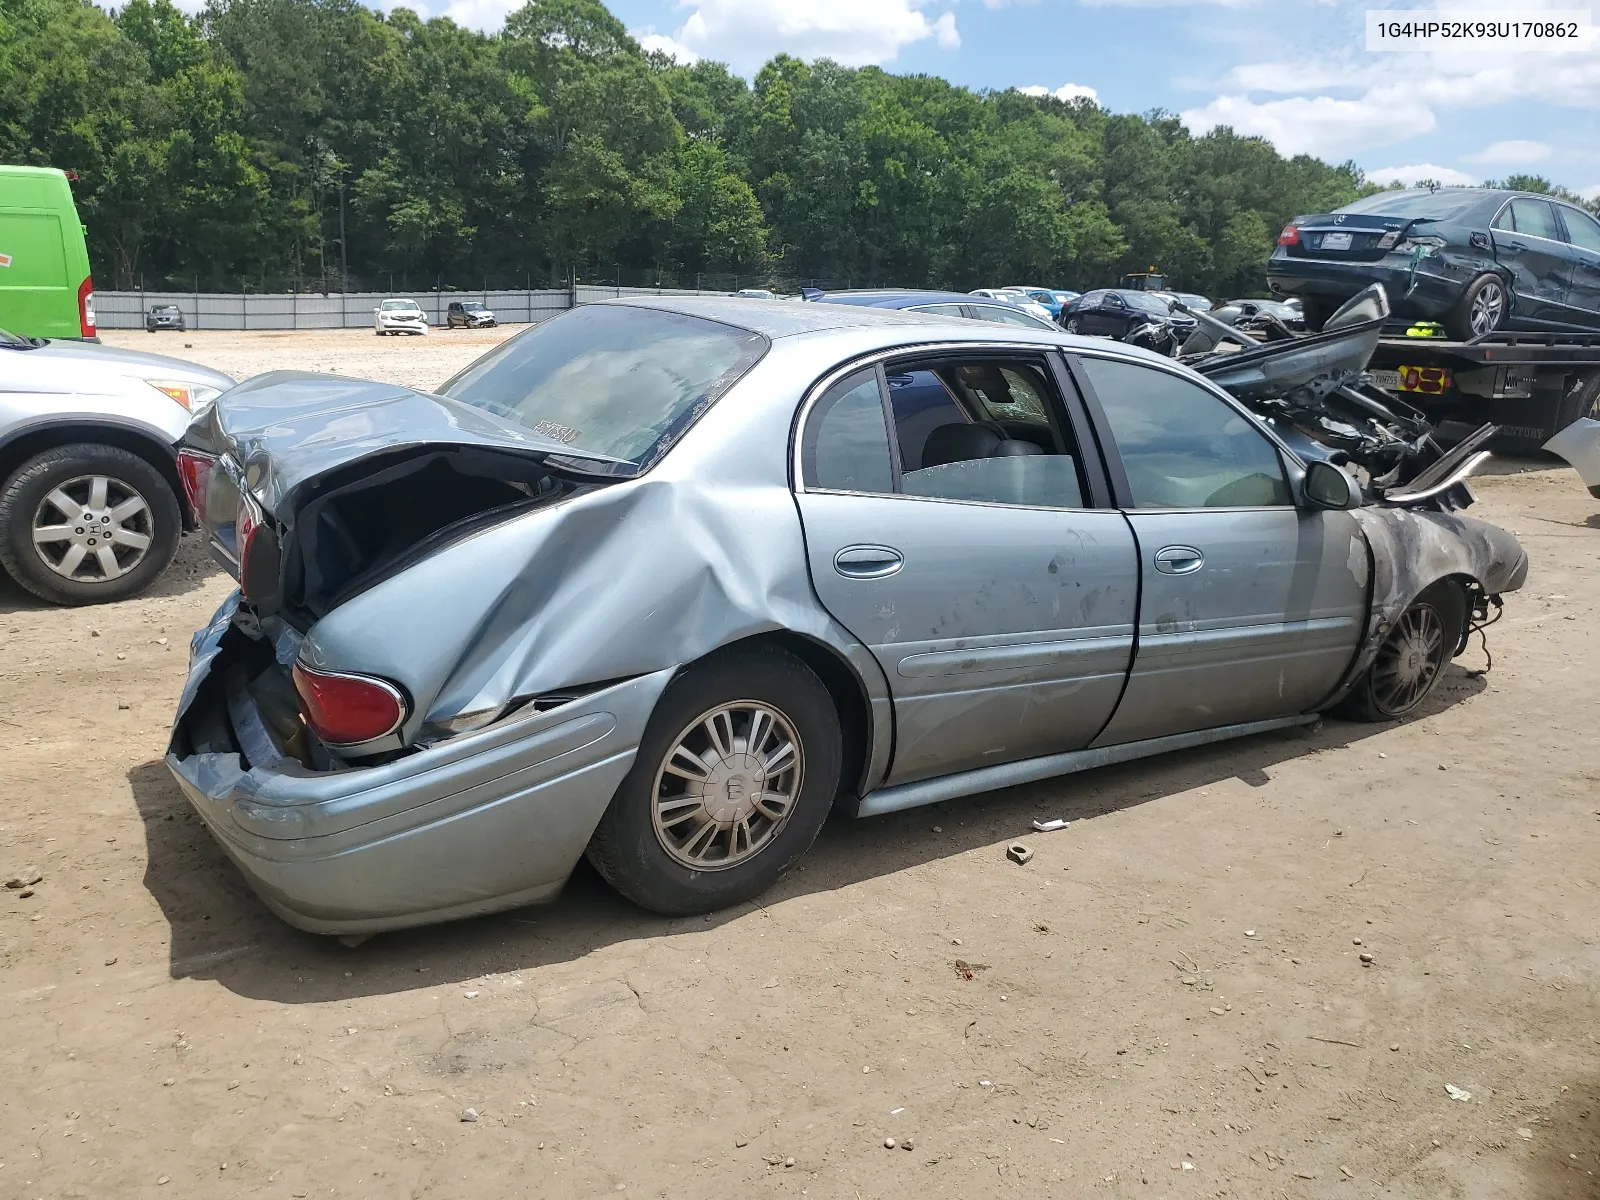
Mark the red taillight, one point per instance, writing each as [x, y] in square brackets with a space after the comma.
[344, 710]
[86, 307]
[245, 527]
[1290, 236]
[194, 470]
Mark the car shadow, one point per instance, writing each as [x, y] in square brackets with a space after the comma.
[1566, 1146]
[190, 568]
[221, 931]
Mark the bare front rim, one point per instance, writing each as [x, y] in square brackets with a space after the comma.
[92, 529]
[728, 785]
[1410, 660]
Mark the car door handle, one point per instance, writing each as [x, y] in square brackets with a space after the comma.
[868, 562]
[1517, 245]
[1179, 560]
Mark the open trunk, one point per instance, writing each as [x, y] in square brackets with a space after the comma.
[309, 504]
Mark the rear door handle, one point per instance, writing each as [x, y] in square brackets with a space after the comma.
[1179, 560]
[868, 562]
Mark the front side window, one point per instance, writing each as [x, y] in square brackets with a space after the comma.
[1582, 228]
[610, 380]
[1181, 446]
[940, 310]
[400, 306]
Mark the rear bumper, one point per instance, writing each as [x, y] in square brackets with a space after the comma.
[1432, 297]
[485, 821]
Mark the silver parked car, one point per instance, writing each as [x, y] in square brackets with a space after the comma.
[661, 582]
[91, 505]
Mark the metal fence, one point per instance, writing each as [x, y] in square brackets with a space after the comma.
[350, 310]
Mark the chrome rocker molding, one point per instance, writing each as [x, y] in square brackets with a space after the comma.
[1030, 770]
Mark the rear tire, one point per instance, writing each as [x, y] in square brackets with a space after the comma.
[661, 813]
[25, 503]
[1481, 309]
[1412, 659]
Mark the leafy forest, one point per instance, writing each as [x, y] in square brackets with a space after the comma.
[300, 143]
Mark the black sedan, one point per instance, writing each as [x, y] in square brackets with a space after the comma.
[1117, 312]
[164, 316]
[1476, 259]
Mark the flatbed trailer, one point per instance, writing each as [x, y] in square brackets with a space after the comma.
[1532, 385]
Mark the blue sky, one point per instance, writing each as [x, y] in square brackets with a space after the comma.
[1294, 71]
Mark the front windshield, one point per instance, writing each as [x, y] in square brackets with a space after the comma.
[1438, 205]
[399, 306]
[610, 379]
[12, 341]
[1146, 302]
[472, 307]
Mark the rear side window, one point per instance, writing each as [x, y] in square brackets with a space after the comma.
[846, 446]
[1536, 218]
[1181, 446]
[610, 380]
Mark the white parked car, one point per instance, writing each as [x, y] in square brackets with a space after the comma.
[92, 492]
[399, 316]
[1017, 300]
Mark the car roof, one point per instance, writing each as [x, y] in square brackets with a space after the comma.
[895, 297]
[872, 329]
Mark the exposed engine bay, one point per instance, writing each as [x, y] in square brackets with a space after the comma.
[1314, 389]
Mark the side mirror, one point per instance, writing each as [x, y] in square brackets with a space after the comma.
[1326, 486]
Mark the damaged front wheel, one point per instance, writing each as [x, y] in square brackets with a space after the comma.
[1412, 659]
[734, 777]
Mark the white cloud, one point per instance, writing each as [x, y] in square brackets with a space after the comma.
[1168, 3]
[1590, 193]
[1067, 92]
[746, 33]
[487, 15]
[662, 44]
[1407, 176]
[1320, 125]
[1515, 153]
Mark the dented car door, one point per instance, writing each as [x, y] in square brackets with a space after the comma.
[1250, 607]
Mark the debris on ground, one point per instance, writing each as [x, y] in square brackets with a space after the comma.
[1052, 825]
[1456, 1093]
[1019, 854]
[469, 1115]
[26, 877]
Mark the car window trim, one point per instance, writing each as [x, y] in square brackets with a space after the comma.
[1088, 461]
[1292, 465]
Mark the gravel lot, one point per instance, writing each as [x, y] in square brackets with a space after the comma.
[1167, 1001]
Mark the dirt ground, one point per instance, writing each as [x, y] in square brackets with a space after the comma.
[1168, 1001]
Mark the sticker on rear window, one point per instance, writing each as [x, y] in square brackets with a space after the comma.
[5, 260]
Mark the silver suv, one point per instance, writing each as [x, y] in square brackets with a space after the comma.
[91, 502]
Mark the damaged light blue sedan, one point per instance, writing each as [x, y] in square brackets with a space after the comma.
[663, 582]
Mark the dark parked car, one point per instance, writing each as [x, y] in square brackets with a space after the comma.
[940, 304]
[164, 316]
[1476, 259]
[469, 314]
[1117, 312]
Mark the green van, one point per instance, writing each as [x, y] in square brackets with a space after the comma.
[45, 288]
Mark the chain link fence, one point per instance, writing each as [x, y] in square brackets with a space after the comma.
[354, 310]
